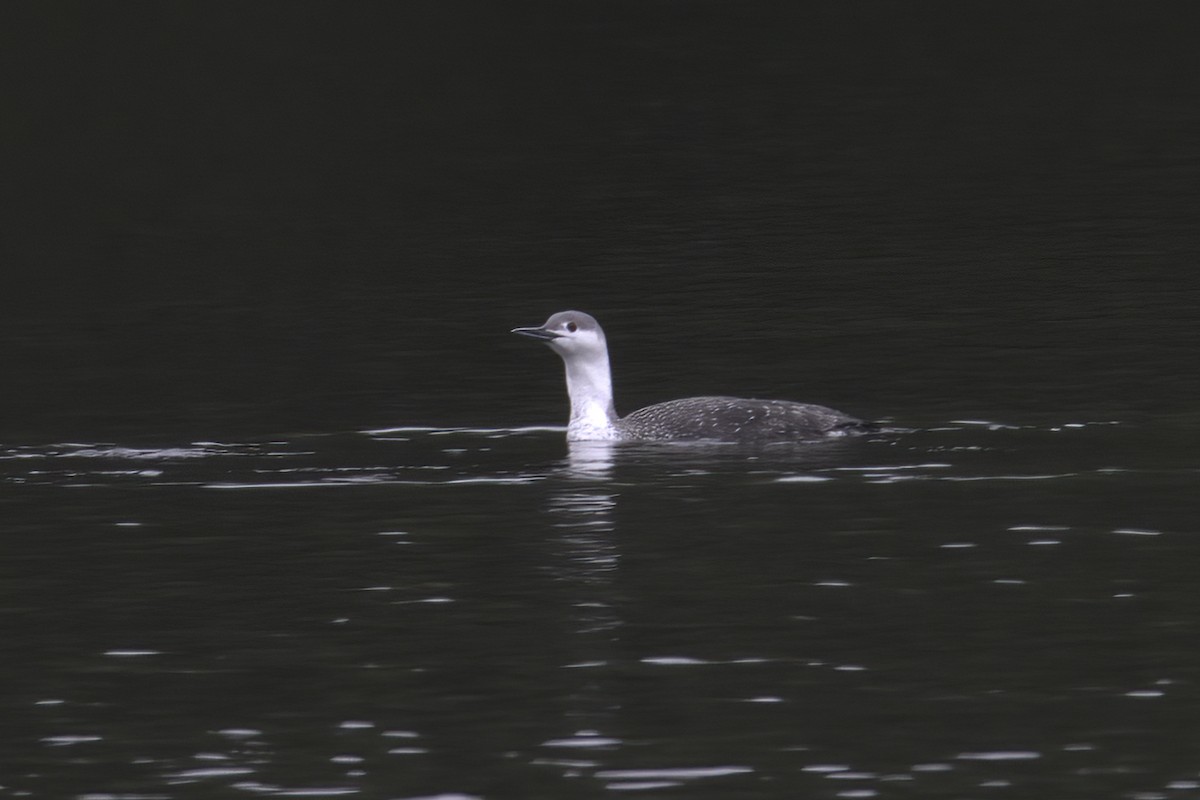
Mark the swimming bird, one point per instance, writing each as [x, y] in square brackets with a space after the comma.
[579, 340]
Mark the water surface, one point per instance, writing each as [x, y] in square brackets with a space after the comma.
[491, 613]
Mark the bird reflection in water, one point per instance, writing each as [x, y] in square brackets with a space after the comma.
[584, 560]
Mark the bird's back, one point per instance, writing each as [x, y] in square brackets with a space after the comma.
[733, 419]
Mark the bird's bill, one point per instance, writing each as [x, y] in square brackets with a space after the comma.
[537, 333]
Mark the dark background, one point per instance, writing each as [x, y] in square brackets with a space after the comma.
[239, 219]
[227, 226]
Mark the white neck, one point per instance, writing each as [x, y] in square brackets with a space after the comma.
[589, 383]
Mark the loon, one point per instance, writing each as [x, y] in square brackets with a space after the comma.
[579, 340]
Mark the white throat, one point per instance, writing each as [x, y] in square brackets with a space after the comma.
[589, 384]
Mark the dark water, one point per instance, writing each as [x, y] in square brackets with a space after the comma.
[286, 512]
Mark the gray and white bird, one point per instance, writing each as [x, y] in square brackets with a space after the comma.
[579, 340]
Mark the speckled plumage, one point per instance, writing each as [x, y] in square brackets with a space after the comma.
[580, 341]
[735, 419]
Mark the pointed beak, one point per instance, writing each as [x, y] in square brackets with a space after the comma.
[537, 333]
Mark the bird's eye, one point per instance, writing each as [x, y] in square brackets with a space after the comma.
[572, 327]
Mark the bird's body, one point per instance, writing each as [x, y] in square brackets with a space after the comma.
[579, 340]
